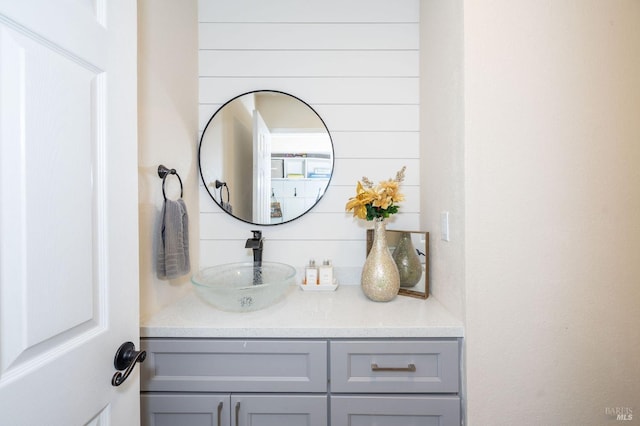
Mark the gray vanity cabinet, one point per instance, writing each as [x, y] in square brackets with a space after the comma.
[181, 409]
[395, 383]
[396, 366]
[198, 382]
[234, 382]
[173, 409]
[395, 410]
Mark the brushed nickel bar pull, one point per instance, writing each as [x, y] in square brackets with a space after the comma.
[220, 413]
[410, 368]
[237, 413]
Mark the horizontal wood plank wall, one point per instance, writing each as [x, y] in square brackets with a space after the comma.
[357, 64]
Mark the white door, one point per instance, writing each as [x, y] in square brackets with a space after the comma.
[68, 210]
[261, 170]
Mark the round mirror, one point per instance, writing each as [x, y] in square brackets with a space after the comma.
[266, 157]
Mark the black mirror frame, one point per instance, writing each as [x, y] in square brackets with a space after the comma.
[333, 158]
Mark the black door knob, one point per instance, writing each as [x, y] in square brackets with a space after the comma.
[126, 359]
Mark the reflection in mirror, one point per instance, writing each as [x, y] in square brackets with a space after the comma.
[410, 250]
[266, 157]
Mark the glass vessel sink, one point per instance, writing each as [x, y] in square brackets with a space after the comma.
[243, 287]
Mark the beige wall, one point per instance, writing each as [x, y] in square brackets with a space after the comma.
[168, 131]
[442, 146]
[552, 143]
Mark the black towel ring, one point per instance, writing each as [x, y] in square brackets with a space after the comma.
[163, 172]
[220, 184]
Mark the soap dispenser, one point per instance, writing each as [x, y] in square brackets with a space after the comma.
[311, 273]
[325, 273]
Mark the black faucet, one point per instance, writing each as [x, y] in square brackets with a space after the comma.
[256, 244]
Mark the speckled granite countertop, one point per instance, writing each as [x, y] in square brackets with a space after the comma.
[344, 313]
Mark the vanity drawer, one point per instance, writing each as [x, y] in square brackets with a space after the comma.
[205, 365]
[404, 410]
[394, 366]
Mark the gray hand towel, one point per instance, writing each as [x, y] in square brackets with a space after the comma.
[173, 246]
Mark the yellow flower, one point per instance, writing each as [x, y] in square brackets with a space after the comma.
[359, 202]
[372, 202]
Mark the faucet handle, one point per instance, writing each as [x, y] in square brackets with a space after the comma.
[257, 235]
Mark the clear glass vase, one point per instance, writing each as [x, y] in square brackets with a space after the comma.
[380, 279]
[407, 261]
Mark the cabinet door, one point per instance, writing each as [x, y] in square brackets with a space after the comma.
[185, 410]
[279, 410]
[401, 410]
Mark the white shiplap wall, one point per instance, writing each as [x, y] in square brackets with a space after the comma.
[357, 64]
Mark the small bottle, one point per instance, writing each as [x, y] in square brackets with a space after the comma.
[325, 273]
[311, 273]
